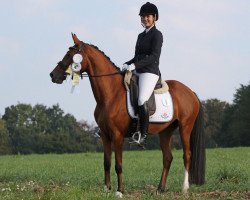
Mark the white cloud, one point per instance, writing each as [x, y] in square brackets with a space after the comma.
[50, 9]
[9, 45]
[30, 7]
[9, 51]
[201, 6]
[83, 33]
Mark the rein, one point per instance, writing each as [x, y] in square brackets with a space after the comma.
[102, 75]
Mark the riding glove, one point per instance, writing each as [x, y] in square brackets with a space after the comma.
[128, 67]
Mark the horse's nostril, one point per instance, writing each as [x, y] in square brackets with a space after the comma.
[51, 75]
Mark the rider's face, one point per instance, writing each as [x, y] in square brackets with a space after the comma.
[147, 20]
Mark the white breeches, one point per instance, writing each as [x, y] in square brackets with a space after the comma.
[147, 82]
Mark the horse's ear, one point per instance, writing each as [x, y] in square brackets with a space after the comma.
[75, 39]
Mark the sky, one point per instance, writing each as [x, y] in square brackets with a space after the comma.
[206, 46]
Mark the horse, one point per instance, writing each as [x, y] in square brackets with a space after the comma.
[112, 117]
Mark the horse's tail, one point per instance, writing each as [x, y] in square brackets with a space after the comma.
[197, 147]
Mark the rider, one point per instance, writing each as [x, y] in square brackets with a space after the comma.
[146, 63]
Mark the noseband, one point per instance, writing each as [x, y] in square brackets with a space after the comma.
[62, 66]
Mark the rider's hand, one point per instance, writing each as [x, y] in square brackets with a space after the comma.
[124, 67]
[131, 67]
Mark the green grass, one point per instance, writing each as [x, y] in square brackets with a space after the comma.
[80, 176]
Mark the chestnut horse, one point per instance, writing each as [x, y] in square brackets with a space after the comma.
[113, 120]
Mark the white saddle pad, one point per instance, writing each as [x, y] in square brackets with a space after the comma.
[164, 108]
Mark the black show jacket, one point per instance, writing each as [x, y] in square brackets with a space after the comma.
[148, 51]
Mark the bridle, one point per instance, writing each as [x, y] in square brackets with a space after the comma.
[64, 67]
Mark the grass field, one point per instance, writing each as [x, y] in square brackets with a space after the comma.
[80, 176]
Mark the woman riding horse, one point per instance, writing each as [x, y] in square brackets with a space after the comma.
[111, 113]
[146, 65]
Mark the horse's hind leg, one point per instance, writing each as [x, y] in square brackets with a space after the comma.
[185, 132]
[107, 161]
[165, 143]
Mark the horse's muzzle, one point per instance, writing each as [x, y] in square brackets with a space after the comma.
[51, 75]
[57, 79]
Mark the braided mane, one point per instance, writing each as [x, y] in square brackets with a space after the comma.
[105, 56]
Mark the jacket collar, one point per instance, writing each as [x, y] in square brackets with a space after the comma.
[148, 29]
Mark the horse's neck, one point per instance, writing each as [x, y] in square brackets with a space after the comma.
[105, 88]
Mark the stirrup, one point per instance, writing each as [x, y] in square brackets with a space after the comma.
[136, 137]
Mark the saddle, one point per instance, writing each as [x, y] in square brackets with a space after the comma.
[134, 92]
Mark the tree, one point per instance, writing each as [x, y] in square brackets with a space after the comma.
[19, 124]
[4, 139]
[236, 122]
[213, 109]
[40, 129]
[92, 138]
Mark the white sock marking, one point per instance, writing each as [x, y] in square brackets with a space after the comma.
[185, 183]
[118, 194]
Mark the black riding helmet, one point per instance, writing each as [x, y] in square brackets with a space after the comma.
[149, 9]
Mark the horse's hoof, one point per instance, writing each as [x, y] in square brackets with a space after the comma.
[118, 194]
[106, 189]
[159, 191]
[185, 190]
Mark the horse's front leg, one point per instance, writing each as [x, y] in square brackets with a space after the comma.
[118, 145]
[107, 161]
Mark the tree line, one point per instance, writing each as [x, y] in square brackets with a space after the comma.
[228, 125]
[29, 129]
[25, 129]
[225, 124]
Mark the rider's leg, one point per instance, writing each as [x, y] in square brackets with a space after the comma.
[144, 121]
[147, 82]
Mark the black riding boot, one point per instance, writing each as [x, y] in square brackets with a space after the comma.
[134, 127]
[144, 122]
